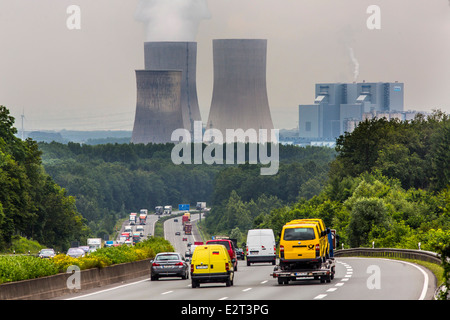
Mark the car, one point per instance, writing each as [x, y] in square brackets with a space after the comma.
[240, 254]
[75, 252]
[184, 239]
[168, 264]
[177, 233]
[84, 248]
[175, 220]
[230, 247]
[211, 263]
[47, 253]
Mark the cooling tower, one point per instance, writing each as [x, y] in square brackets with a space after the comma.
[239, 99]
[158, 106]
[178, 56]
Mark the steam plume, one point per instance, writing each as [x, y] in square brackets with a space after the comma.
[171, 20]
[355, 63]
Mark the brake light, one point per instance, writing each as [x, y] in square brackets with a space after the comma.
[155, 264]
[281, 251]
[317, 247]
[281, 248]
[246, 249]
[274, 248]
[192, 268]
[179, 263]
[227, 266]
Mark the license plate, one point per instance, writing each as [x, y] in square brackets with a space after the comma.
[301, 274]
[254, 252]
[201, 267]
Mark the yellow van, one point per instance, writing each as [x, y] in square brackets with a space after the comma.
[211, 263]
[300, 244]
[324, 245]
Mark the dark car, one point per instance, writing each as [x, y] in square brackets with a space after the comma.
[47, 253]
[169, 264]
[240, 254]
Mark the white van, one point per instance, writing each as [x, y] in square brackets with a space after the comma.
[261, 246]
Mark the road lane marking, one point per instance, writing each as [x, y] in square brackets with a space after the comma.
[320, 296]
[332, 289]
[223, 298]
[248, 289]
[167, 292]
[340, 284]
[265, 281]
[106, 290]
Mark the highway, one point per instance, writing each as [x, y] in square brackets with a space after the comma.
[355, 279]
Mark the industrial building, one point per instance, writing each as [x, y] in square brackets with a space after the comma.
[339, 107]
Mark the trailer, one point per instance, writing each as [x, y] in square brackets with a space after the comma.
[325, 273]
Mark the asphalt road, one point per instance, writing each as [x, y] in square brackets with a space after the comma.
[355, 279]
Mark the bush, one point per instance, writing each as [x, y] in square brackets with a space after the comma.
[16, 268]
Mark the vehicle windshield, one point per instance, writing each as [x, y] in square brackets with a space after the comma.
[167, 257]
[48, 251]
[299, 234]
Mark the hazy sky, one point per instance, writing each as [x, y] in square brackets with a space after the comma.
[84, 79]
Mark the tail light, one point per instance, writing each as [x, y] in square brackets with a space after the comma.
[317, 250]
[274, 249]
[227, 266]
[179, 263]
[192, 268]
[154, 264]
[281, 251]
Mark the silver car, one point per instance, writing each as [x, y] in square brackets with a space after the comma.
[169, 264]
[47, 253]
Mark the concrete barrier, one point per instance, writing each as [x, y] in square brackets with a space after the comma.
[56, 286]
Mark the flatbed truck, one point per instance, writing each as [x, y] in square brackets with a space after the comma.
[324, 273]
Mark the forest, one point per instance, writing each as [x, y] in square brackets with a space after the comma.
[388, 186]
[386, 183]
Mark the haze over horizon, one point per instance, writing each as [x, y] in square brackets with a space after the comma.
[85, 79]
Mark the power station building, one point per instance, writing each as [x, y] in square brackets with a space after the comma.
[239, 99]
[338, 107]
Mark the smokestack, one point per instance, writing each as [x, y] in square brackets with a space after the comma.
[178, 56]
[158, 107]
[239, 99]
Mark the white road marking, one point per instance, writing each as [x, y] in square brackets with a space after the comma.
[167, 292]
[332, 289]
[320, 296]
[248, 289]
[223, 298]
[106, 290]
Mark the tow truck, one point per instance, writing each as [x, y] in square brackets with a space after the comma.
[301, 255]
[325, 273]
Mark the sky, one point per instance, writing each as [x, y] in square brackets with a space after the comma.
[62, 72]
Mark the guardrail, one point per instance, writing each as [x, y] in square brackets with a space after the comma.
[390, 253]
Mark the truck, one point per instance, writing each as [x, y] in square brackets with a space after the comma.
[187, 228]
[159, 210]
[136, 237]
[200, 206]
[301, 255]
[186, 218]
[167, 209]
[133, 218]
[142, 218]
[94, 244]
